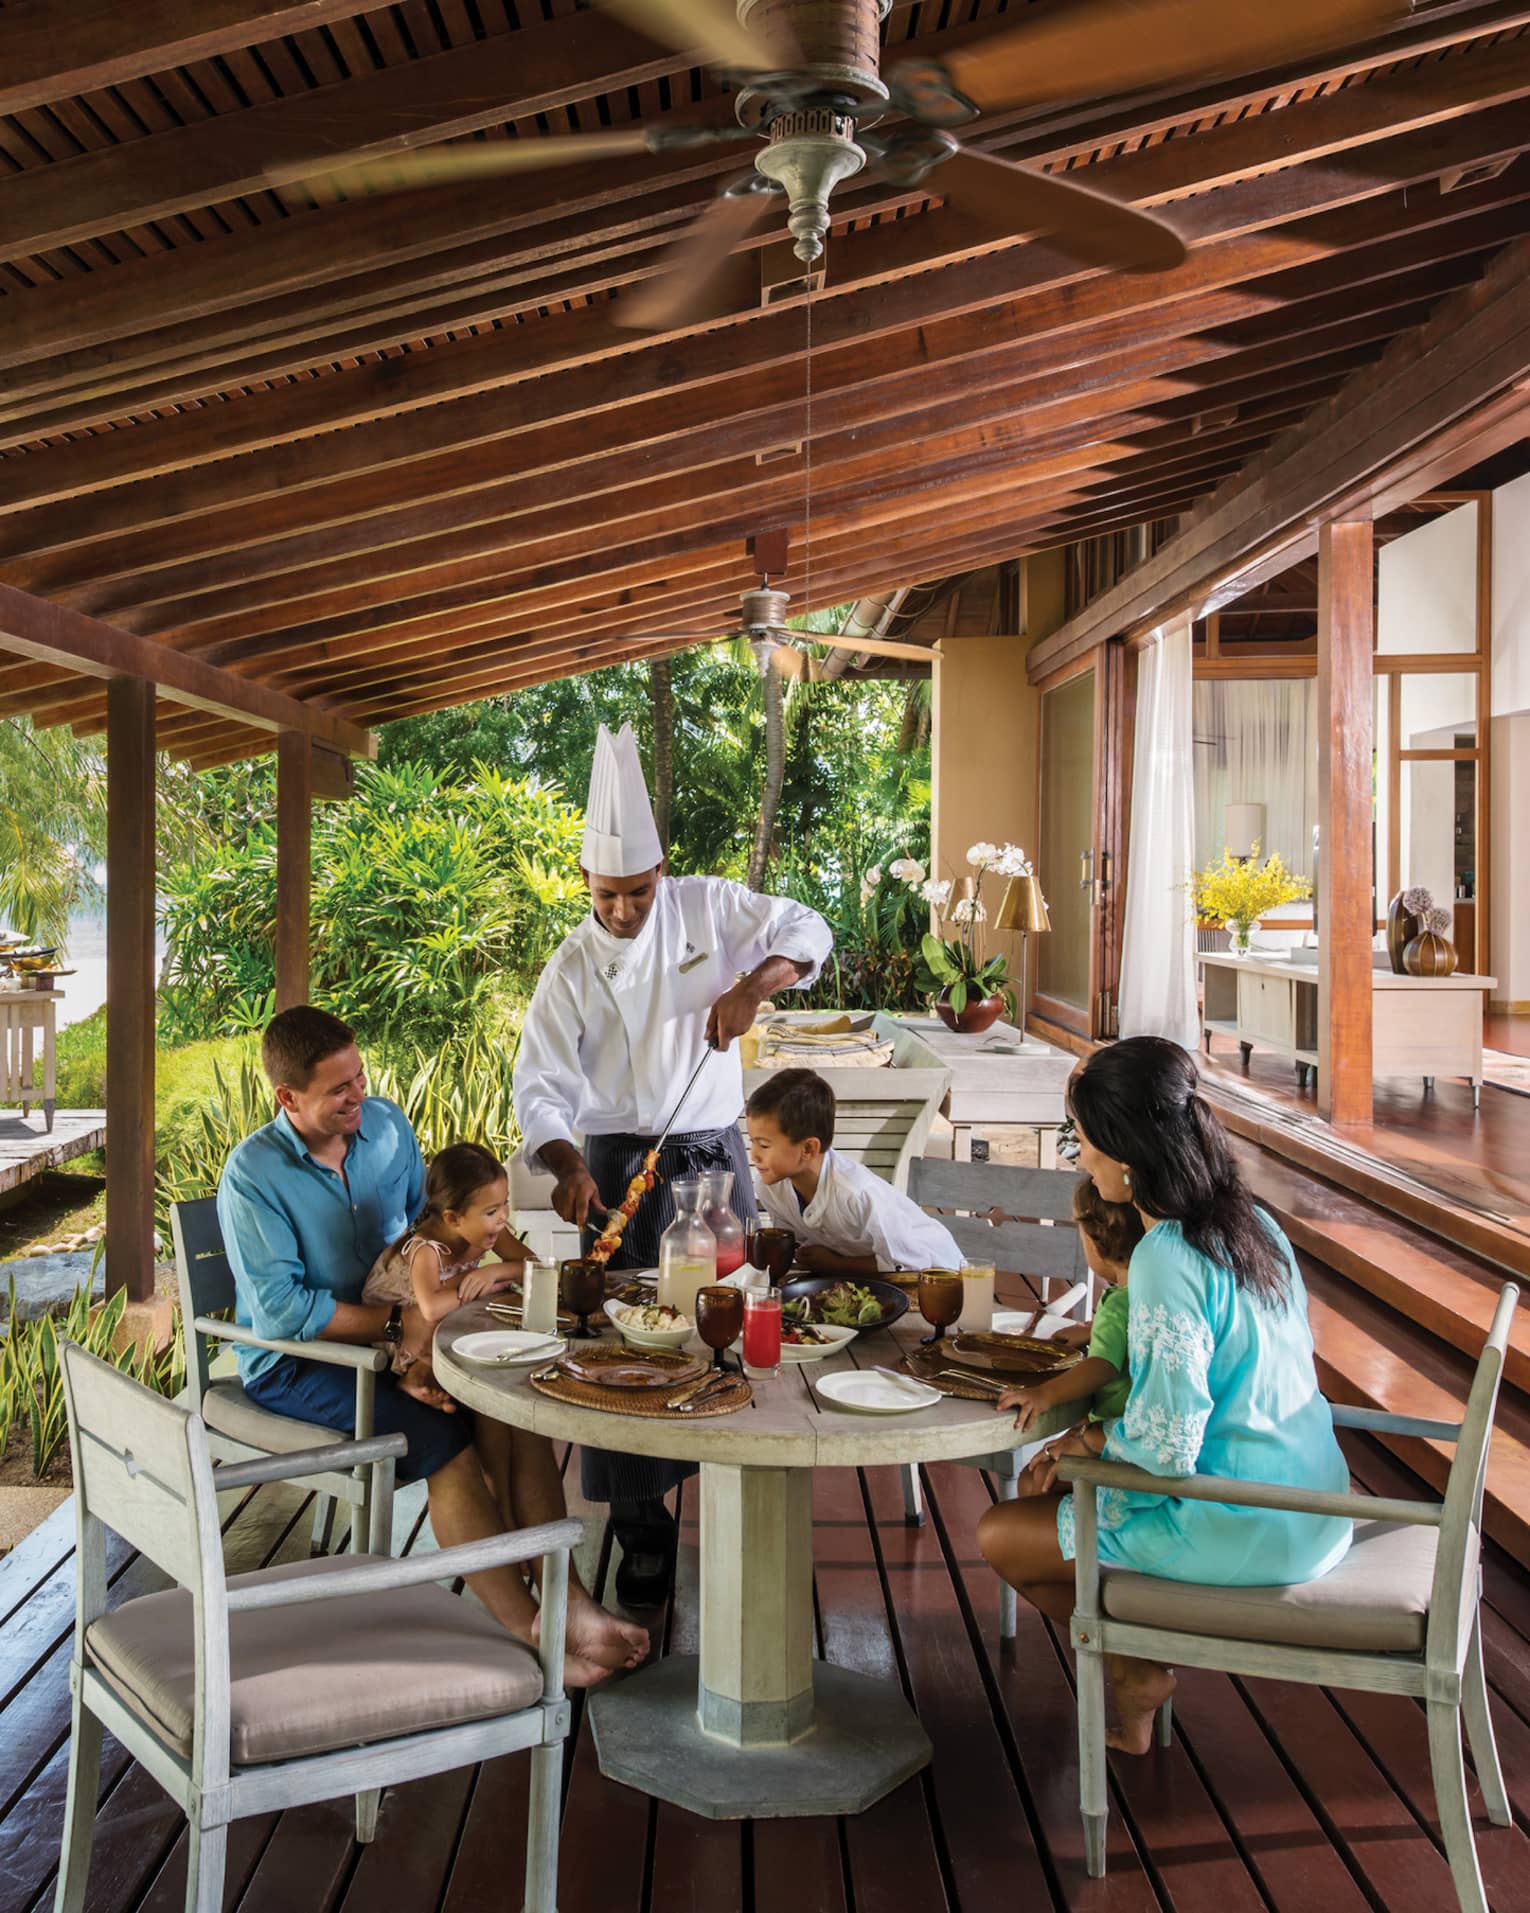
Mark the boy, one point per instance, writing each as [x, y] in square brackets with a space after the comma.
[847, 1221]
[1110, 1231]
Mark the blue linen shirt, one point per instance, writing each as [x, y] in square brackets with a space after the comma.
[300, 1236]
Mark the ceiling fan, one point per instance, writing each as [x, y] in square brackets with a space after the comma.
[811, 91]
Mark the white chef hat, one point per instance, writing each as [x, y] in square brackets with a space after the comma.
[620, 836]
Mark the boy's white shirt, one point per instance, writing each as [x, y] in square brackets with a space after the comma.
[855, 1212]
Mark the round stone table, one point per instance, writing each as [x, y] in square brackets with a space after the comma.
[754, 1727]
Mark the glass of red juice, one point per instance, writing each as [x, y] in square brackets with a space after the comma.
[762, 1332]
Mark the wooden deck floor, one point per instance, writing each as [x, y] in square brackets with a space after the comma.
[27, 1147]
[1272, 1798]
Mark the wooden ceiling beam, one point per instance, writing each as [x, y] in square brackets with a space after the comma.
[49, 633]
[473, 390]
[46, 56]
[1473, 353]
[242, 270]
[512, 76]
[377, 305]
[499, 515]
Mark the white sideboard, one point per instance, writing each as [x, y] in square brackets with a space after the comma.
[1424, 1026]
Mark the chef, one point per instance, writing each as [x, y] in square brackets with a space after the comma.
[665, 971]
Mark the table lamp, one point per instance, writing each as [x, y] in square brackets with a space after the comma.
[1243, 828]
[1024, 909]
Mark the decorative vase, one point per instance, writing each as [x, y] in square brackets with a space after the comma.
[1242, 935]
[1429, 954]
[1402, 928]
[980, 1014]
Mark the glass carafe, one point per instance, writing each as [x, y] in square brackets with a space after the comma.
[716, 1188]
[687, 1250]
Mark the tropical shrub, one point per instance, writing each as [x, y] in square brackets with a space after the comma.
[31, 1374]
[434, 896]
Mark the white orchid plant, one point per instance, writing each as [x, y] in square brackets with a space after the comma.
[958, 965]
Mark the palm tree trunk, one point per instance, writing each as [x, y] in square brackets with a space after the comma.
[775, 767]
[662, 695]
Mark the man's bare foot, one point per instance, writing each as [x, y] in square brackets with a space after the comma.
[1141, 1688]
[599, 1639]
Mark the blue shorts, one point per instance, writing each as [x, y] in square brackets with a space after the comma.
[316, 1392]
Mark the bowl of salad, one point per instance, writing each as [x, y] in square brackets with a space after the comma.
[841, 1301]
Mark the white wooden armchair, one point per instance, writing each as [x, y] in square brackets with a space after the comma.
[299, 1683]
[1399, 1615]
[238, 1429]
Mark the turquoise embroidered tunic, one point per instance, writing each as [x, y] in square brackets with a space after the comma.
[1221, 1384]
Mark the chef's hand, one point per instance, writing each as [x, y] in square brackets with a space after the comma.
[732, 1014]
[575, 1196]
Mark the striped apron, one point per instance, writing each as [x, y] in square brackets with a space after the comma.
[613, 1162]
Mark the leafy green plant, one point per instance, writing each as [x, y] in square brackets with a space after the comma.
[31, 1371]
[957, 966]
[461, 1094]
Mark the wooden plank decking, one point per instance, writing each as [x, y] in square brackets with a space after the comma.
[27, 1148]
[1272, 1799]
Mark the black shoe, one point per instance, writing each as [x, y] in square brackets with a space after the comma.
[645, 1575]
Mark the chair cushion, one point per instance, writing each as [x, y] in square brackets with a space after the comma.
[306, 1680]
[226, 1408]
[1375, 1601]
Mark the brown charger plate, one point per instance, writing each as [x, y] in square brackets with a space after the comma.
[1021, 1356]
[651, 1404]
[608, 1365]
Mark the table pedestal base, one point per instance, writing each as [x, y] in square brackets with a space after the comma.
[862, 1741]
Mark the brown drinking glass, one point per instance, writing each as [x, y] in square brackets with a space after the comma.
[774, 1251]
[940, 1301]
[582, 1284]
[719, 1319]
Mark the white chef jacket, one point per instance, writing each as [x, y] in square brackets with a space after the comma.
[616, 1025]
[854, 1212]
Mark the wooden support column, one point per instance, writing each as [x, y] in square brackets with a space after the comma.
[1346, 641]
[294, 846]
[130, 988]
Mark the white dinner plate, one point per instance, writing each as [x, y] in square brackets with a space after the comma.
[508, 1347]
[838, 1337]
[871, 1394]
[1017, 1322]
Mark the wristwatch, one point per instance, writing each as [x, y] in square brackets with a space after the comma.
[393, 1328]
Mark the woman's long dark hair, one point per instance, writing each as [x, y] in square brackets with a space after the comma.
[1138, 1101]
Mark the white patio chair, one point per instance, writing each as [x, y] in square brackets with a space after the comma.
[1399, 1615]
[299, 1683]
[1039, 1239]
[238, 1430]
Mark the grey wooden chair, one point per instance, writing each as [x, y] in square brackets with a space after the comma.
[248, 1695]
[1399, 1615]
[238, 1430]
[1038, 1238]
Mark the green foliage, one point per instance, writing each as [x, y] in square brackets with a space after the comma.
[195, 1148]
[52, 827]
[958, 967]
[434, 894]
[31, 1373]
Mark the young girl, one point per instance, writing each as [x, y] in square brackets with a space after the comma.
[1110, 1231]
[434, 1266]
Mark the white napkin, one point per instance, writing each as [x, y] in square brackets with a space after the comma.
[748, 1277]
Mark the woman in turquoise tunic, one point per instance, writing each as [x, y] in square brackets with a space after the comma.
[1222, 1378]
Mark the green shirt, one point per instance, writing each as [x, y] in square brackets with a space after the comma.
[1107, 1343]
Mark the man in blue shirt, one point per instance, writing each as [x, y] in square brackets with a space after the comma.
[307, 1204]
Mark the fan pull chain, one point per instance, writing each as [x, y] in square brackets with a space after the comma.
[807, 459]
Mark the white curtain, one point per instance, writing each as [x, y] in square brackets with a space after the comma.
[1158, 947]
[1255, 744]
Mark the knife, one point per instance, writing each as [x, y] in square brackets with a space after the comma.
[691, 1390]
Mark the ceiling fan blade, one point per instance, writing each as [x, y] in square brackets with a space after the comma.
[1077, 219]
[713, 29]
[790, 662]
[679, 291]
[472, 159]
[1098, 47]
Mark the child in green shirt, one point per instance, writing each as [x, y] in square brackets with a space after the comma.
[1110, 1232]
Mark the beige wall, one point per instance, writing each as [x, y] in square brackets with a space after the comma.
[984, 739]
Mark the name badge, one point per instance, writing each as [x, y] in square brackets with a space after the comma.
[692, 962]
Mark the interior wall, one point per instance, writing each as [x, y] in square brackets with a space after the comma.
[984, 740]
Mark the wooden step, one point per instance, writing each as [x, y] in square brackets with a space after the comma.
[1443, 1289]
[1370, 1356]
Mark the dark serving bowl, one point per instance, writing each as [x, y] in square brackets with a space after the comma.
[894, 1301]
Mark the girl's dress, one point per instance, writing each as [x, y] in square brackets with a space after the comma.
[388, 1278]
[1221, 1384]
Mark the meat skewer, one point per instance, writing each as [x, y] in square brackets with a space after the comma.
[609, 1239]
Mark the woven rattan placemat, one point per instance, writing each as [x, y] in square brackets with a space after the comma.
[648, 1404]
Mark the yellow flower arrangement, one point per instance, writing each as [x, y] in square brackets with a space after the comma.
[1238, 891]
